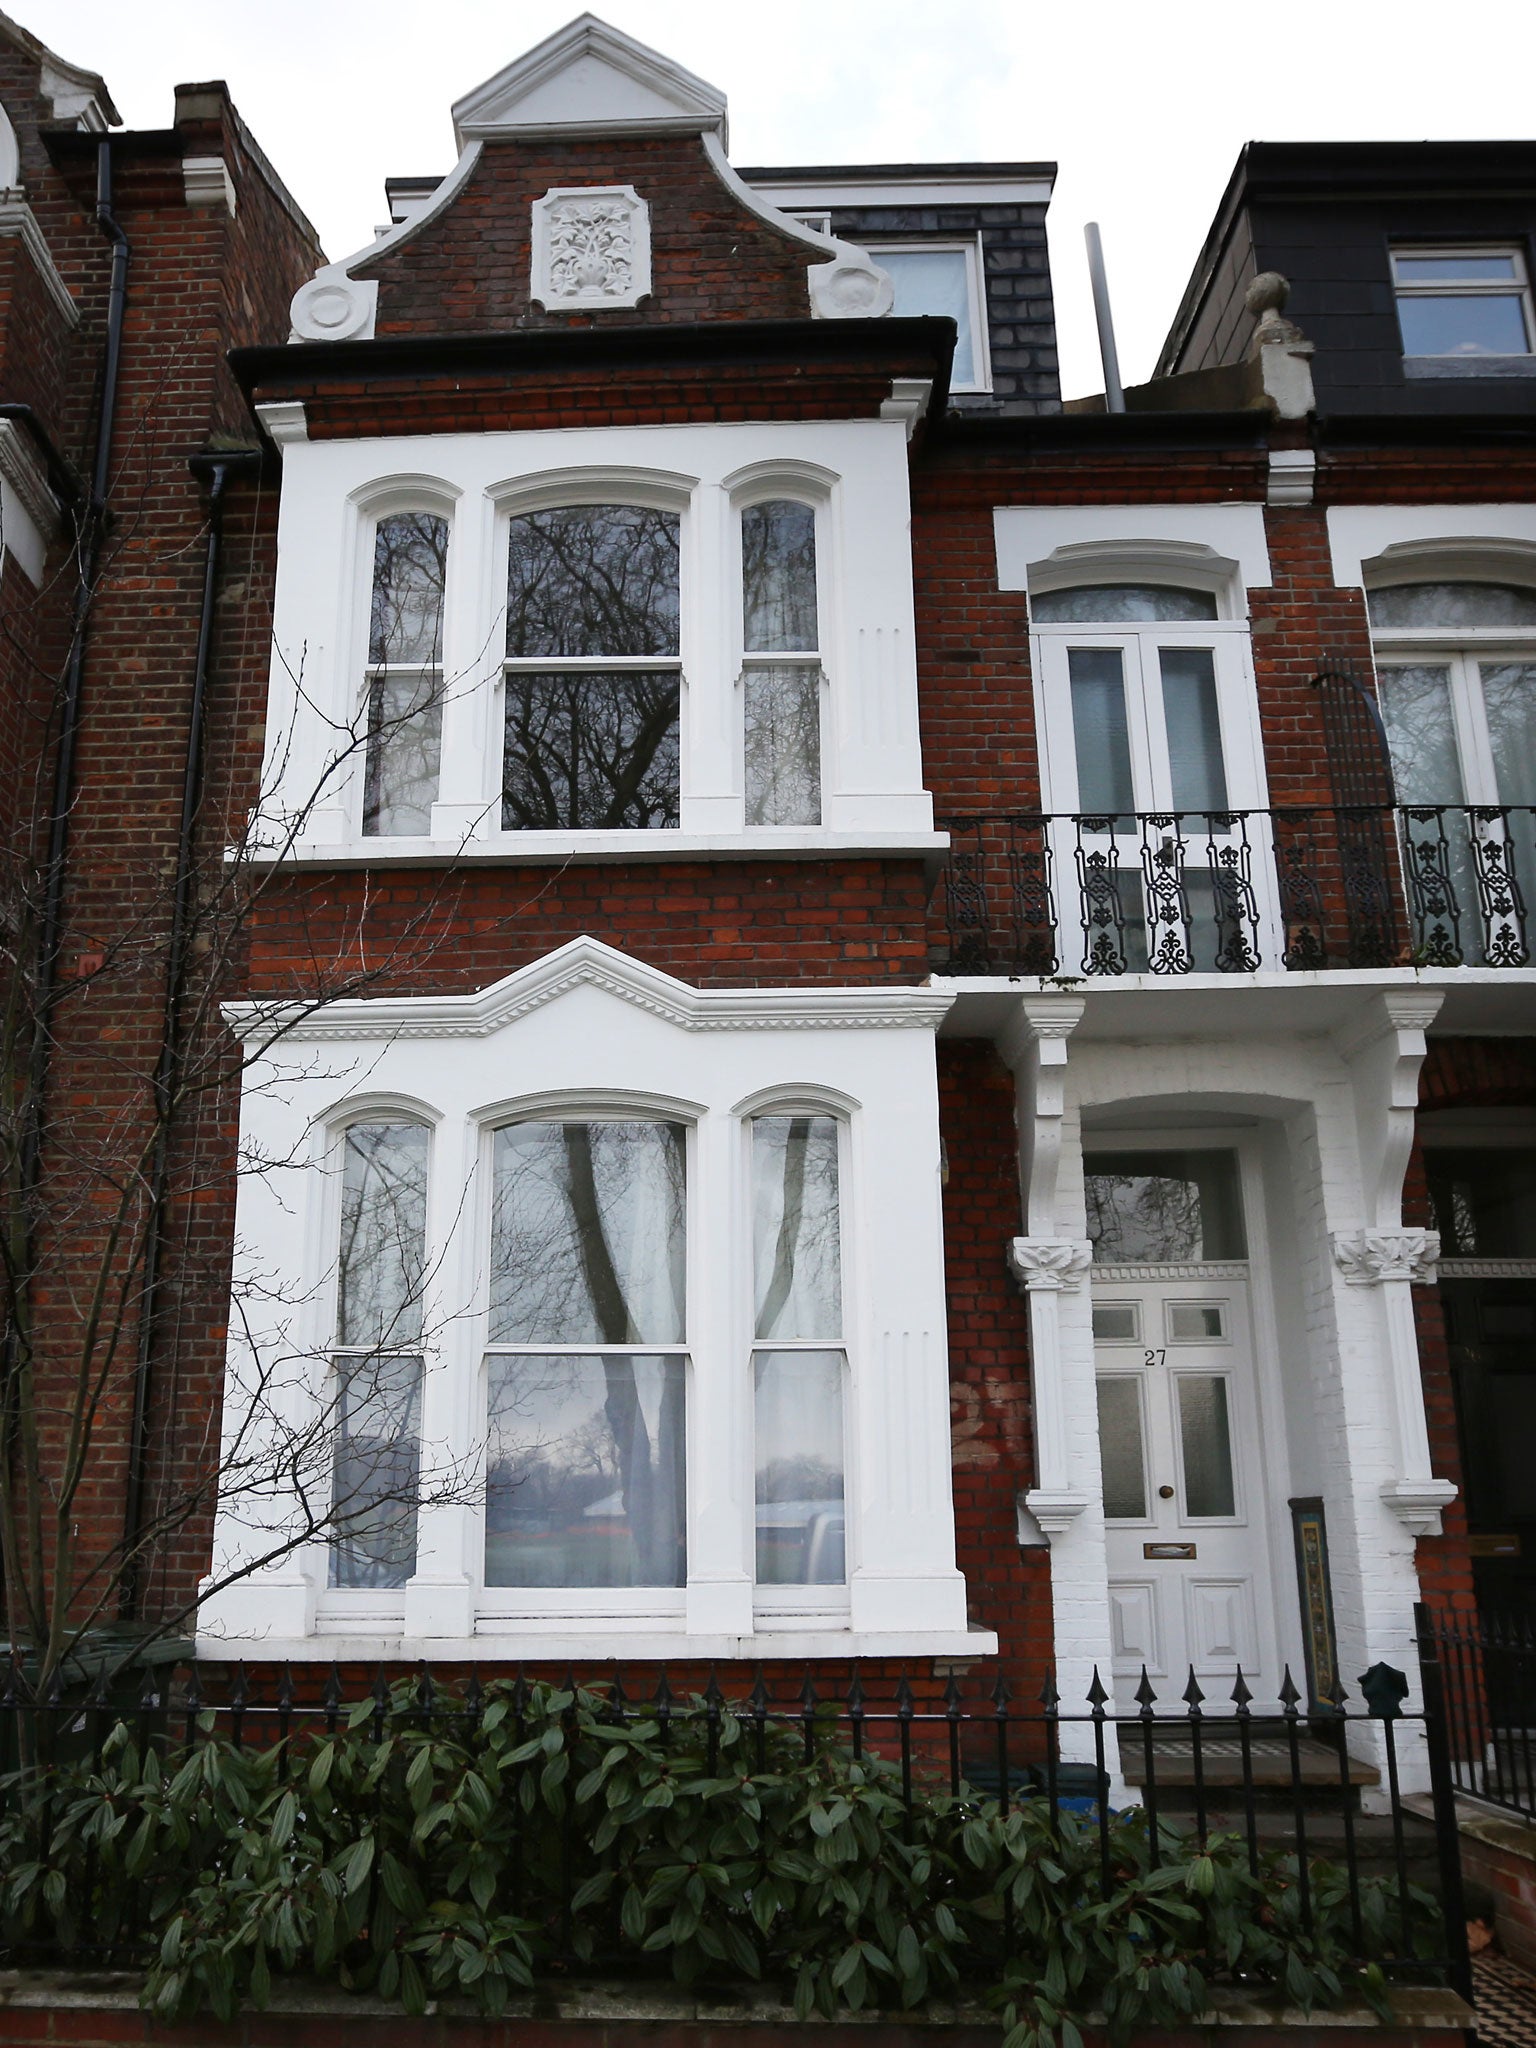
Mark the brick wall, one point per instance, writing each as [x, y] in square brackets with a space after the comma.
[468, 270]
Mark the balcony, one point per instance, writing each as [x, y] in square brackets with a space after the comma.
[1302, 889]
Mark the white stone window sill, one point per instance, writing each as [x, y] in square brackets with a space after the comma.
[527, 849]
[605, 1646]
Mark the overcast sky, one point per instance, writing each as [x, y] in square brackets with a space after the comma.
[1143, 104]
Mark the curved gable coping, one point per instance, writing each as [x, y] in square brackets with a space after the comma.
[587, 963]
[17, 218]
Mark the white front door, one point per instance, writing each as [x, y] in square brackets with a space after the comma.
[1189, 1581]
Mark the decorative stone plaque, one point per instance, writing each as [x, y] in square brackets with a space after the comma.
[591, 247]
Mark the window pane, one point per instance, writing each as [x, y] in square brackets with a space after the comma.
[1099, 730]
[593, 579]
[1449, 605]
[796, 1235]
[405, 748]
[935, 281]
[1194, 728]
[1163, 1206]
[1416, 711]
[374, 1472]
[778, 577]
[591, 750]
[799, 1460]
[1206, 1440]
[410, 556]
[1193, 1322]
[1121, 1460]
[782, 726]
[1117, 1322]
[1483, 1202]
[584, 1472]
[1509, 694]
[1452, 269]
[1446, 324]
[588, 1234]
[383, 1235]
[1121, 603]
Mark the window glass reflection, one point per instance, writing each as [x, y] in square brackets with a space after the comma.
[799, 1468]
[797, 1252]
[1163, 1206]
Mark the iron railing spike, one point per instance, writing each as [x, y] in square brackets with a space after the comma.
[1241, 1694]
[1096, 1695]
[1192, 1695]
[331, 1696]
[1146, 1698]
[1289, 1696]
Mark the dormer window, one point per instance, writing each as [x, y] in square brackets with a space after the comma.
[1463, 302]
[943, 278]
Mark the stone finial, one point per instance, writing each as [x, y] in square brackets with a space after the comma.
[1280, 348]
[1265, 299]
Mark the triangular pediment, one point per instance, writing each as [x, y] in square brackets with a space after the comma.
[591, 78]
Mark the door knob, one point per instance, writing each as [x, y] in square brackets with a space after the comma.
[1165, 1493]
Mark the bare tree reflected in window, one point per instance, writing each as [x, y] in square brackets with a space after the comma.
[378, 1365]
[781, 698]
[798, 1374]
[585, 1471]
[592, 742]
[1163, 1206]
[403, 756]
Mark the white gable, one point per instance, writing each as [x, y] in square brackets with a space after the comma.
[590, 77]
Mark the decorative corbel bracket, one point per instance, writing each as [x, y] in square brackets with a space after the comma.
[1055, 1264]
[1368, 1257]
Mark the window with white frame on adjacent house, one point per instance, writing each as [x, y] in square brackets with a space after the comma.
[593, 675]
[1463, 301]
[782, 677]
[1456, 680]
[944, 278]
[1147, 702]
[404, 709]
[377, 1358]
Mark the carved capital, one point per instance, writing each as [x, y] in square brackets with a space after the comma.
[1052, 1263]
[1368, 1257]
[1055, 1508]
[591, 247]
[1419, 1503]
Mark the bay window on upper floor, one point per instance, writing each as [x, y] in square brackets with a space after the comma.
[582, 658]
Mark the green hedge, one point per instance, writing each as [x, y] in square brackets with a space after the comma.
[473, 1855]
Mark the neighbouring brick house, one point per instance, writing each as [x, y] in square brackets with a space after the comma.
[863, 992]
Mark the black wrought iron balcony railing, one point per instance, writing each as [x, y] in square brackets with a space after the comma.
[1238, 892]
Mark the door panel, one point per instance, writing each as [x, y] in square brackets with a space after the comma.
[1183, 1478]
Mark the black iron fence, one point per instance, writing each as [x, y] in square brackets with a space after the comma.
[1233, 892]
[1313, 1796]
[1489, 1666]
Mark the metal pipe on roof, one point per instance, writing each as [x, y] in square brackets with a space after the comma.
[1114, 394]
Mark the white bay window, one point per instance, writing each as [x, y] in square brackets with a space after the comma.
[660, 1366]
[651, 641]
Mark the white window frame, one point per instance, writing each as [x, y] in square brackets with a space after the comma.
[970, 247]
[1229, 640]
[802, 486]
[823, 1606]
[1461, 650]
[1516, 287]
[673, 495]
[713, 1060]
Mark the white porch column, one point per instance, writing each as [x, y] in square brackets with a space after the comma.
[1051, 1263]
[1384, 1053]
[1384, 1489]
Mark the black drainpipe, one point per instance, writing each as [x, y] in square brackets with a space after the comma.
[216, 470]
[89, 554]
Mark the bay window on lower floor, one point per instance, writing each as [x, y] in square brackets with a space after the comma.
[657, 1364]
